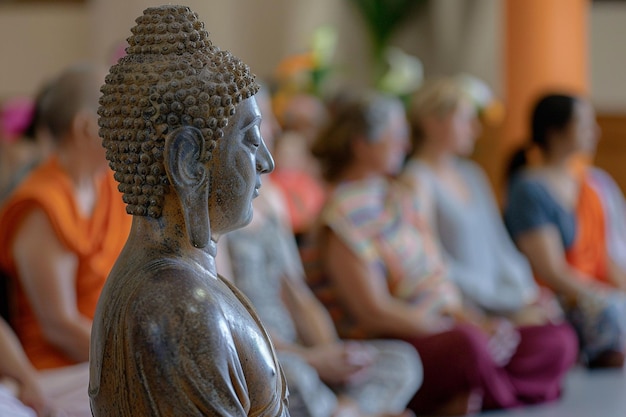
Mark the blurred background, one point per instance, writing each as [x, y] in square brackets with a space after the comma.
[508, 50]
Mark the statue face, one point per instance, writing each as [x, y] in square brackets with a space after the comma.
[238, 161]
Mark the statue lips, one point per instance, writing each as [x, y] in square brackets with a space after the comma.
[257, 187]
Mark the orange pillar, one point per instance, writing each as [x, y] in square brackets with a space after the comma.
[545, 49]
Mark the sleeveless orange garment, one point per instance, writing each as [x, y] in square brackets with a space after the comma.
[96, 242]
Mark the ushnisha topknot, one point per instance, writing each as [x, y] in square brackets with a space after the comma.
[172, 76]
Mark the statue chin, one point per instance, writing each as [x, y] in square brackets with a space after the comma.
[245, 220]
[227, 223]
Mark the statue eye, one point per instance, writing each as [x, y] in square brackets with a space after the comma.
[253, 137]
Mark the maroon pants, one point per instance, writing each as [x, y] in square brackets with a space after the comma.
[458, 361]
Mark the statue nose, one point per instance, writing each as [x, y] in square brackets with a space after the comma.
[264, 160]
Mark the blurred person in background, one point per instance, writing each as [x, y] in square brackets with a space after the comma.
[61, 230]
[326, 376]
[381, 274]
[301, 116]
[460, 206]
[556, 216]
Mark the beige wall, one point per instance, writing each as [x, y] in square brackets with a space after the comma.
[36, 41]
[448, 35]
[51, 37]
[608, 60]
[452, 36]
[251, 30]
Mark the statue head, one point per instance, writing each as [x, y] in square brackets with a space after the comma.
[172, 89]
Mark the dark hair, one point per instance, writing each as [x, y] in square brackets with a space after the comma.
[38, 120]
[552, 112]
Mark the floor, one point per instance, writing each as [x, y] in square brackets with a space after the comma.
[597, 393]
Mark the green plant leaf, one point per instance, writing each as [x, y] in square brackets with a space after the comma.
[382, 18]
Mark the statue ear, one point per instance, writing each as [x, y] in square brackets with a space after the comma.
[190, 179]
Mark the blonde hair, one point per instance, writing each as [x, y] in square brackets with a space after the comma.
[437, 98]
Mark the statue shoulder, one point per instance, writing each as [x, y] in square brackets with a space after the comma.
[178, 287]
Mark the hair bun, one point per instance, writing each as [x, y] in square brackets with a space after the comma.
[168, 30]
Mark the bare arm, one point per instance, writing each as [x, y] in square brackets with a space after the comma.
[313, 323]
[546, 254]
[15, 364]
[367, 296]
[334, 360]
[424, 194]
[616, 275]
[13, 361]
[47, 271]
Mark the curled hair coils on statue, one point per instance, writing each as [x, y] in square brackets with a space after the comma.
[172, 76]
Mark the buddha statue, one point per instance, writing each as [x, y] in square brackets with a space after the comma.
[180, 125]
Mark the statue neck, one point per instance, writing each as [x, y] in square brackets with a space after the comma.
[166, 237]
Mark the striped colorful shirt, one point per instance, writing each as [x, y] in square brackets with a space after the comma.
[380, 222]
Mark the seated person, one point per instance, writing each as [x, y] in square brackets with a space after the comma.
[301, 116]
[461, 209]
[325, 375]
[170, 336]
[62, 228]
[381, 275]
[556, 218]
[60, 232]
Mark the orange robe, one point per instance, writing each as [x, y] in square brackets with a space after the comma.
[304, 197]
[589, 254]
[96, 242]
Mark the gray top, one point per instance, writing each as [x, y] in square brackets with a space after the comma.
[259, 257]
[482, 259]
